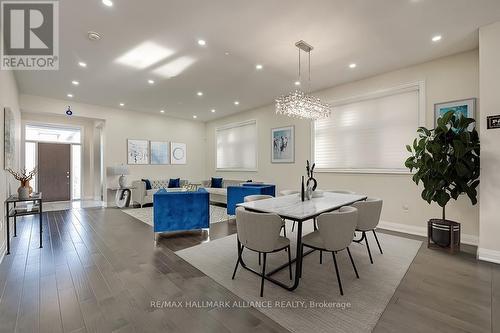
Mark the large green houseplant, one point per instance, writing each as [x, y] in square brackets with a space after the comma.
[446, 160]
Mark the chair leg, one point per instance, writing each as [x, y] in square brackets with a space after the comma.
[376, 238]
[293, 226]
[337, 271]
[352, 262]
[284, 230]
[314, 224]
[259, 258]
[368, 246]
[320, 257]
[240, 251]
[263, 275]
[289, 262]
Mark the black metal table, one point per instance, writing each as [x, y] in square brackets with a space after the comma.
[16, 211]
[290, 207]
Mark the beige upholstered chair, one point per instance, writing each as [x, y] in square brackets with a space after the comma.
[368, 219]
[260, 232]
[335, 233]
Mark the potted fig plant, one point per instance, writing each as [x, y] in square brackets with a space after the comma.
[446, 161]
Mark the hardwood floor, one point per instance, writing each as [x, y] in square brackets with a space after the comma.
[99, 272]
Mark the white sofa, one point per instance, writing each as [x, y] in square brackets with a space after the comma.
[142, 196]
[219, 195]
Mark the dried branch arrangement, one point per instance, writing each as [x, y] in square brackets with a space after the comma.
[23, 176]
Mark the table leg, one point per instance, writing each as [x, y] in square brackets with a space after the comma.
[41, 219]
[8, 227]
[15, 223]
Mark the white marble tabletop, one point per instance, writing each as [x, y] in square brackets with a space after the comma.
[293, 208]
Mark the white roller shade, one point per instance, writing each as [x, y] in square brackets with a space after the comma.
[237, 146]
[369, 134]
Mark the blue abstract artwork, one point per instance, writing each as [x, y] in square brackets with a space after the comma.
[159, 152]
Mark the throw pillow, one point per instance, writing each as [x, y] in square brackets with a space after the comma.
[216, 182]
[174, 182]
[148, 184]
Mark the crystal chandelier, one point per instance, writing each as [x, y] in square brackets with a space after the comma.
[297, 103]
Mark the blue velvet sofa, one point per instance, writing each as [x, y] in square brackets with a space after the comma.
[236, 194]
[178, 211]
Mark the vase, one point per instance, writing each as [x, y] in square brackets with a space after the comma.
[309, 191]
[23, 192]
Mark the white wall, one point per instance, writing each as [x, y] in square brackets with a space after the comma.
[121, 125]
[446, 79]
[8, 98]
[489, 219]
[87, 126]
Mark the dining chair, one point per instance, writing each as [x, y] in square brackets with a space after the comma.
[289, 192]
[260, 232]
[368, 219]
[335, 233]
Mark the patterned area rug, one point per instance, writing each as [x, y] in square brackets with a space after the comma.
[217, 214]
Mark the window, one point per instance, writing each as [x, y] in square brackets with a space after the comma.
[369, 133]
[236, 146]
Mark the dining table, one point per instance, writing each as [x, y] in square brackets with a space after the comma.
[291, 207]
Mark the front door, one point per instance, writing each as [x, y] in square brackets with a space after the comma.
[54, 167]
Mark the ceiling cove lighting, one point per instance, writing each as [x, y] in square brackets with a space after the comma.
[151, 81]
[107, 3]
[353, 65]
[174, 67]
[82, 64]
[298, 104]
[437, 38]
[258, 67]
[144, 55]
[202, 42]
[70, 95]
[75, 83]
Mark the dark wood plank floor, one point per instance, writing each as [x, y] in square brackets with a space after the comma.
[99, 272]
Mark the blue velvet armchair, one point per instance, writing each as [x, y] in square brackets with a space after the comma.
[237, 194]
[178, 211]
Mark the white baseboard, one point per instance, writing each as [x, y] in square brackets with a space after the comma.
[488, 255]
[422, 231]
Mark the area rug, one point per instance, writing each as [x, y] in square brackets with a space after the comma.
[217, 214]
[316, 305]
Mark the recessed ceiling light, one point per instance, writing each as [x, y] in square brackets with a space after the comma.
[70, 95]
[195, 116]
[82, 64]
[75, 83]
[437, 38]
[297, 83]
[353, 65]
[259, 66]
[199, 93]
[122, 104]
[202, 42]
[94, 36]
[226, 53]
[213, 110]
[236, 103]
[151, 81]
[162, 111]
[107, 3]
[144, 55]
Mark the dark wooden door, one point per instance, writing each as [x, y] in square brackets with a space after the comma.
[54, 171]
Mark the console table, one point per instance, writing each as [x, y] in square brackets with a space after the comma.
[12, 209]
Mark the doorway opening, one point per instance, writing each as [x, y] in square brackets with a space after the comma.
[56, 151]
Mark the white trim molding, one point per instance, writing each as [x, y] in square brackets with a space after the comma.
[422, 231]
[488, 255]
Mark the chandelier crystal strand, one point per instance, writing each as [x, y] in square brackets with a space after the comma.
[298, 104]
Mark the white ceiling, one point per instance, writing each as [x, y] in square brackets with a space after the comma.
[378, 35]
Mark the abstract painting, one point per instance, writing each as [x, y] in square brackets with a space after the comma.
[137, 151]
[9, 138]
[177, 153]
[283, 145]
[464, 108]
[160, 153]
